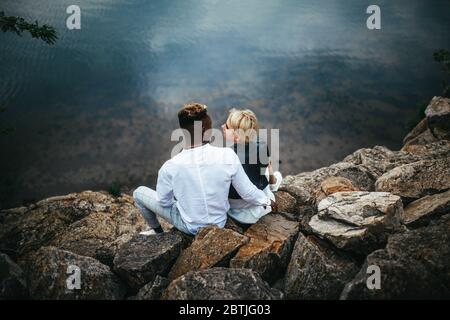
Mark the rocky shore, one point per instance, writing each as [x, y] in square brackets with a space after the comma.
[378, 207]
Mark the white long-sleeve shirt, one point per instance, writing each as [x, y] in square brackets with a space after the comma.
[199, 179]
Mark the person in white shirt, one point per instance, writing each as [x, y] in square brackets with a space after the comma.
[192, 187]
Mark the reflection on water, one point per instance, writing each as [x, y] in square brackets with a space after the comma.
[100, 104]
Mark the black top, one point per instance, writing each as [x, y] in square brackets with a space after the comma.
[254, 163]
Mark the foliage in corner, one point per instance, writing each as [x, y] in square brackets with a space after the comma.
[19, 25]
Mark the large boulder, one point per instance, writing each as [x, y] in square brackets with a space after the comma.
[221, 284]
[438, 117]
[271, 241]
[358, 221]
[89, 223]
[317, 271]
[304, 186]
[416, 180]
[212, 247]
[421, 211]
[152, 290]
[414, 265]
[142, 258]
[48, 273]
[12, 280]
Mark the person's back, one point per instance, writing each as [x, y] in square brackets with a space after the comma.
[201, 178]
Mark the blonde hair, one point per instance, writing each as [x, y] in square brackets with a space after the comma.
[244, 122]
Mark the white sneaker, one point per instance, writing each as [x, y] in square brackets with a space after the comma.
[150, 232]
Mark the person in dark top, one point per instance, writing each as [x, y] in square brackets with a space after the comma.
[241, 128]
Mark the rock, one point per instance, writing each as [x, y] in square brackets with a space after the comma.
[141, 259]
[416, 180]
[421, 127]
[212, 247]
[420, 212]
[152, 290]
[316, 271]
[414, 265]
[47, 272]
[12, 281]
[358, 221]
[271, 242]
[379, 160]
[285, 202]
[221, 284]
[235, 225]
[305, 185]
[438, 117]
[332, 185]
[425, 137]
[435, 150]
[88, 223]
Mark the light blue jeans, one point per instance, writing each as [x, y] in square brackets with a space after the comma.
[146, 200]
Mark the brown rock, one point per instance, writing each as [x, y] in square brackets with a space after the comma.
[271, 242]
[435, 150]
[285, 202]
[425, 137]
[421, 127]
[332, 185]
[212, 247]
[421, 211]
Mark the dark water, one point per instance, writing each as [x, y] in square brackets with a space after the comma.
[99, 105]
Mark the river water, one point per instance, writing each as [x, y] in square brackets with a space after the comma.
[100, 104]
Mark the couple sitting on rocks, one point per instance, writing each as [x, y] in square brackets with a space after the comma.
[203, 184]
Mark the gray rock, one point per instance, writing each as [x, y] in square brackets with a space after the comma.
[416, 180]
[317, 271]
[152, 290]
[47, 275]
[414, 265]
[141, 259]
[358, 221]
[212, 247]
[438, 117]
[379, 160]
[221, 284]
[271, 241]
[12, 281]
[420, 212]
